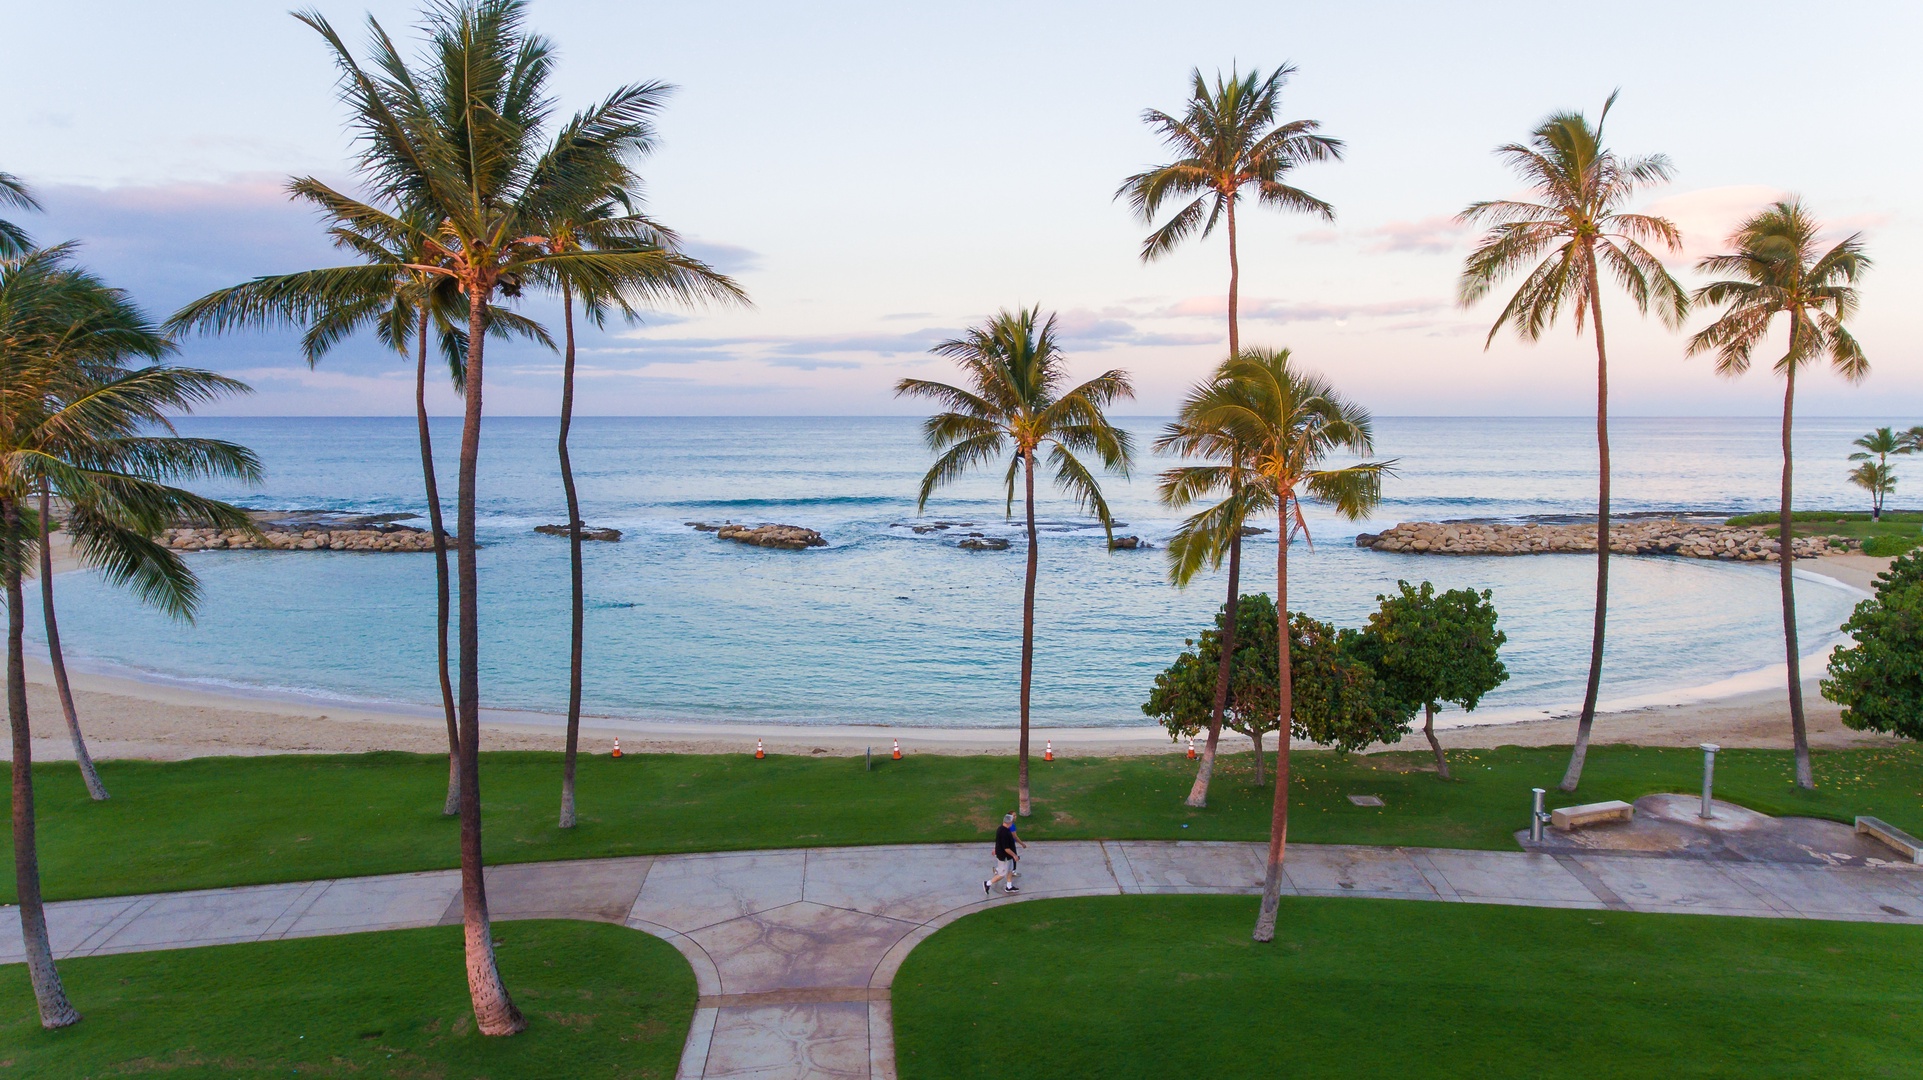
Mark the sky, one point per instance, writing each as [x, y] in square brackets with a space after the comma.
[880, 176]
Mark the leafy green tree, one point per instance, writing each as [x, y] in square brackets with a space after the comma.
[1205, 536]
[1432, 649]
[79, 420]
[1779, 268]
[1878, 678]
[1291, 421]
[1338, 700]
[1880, 480]
[1578, 228]
[1228, 142]
[13, 240]
[1876, 478]
[1015, 403]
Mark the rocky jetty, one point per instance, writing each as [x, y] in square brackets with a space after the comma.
[766, 534]
[274, 537]
[1690, 539]
[605, 535]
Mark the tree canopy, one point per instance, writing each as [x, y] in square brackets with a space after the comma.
[1879, 678]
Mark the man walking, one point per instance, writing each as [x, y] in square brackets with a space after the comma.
[1005, 845]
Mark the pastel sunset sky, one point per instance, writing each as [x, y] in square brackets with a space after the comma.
[880, 175]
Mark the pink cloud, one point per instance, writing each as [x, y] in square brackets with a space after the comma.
[1428, 236]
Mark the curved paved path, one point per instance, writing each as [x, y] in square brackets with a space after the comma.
[794, 951]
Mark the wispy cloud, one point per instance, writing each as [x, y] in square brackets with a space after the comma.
[1428, 236]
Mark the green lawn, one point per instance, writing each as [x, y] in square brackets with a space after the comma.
[602, 1001]
[249, 820]
[1856, 524]
[1171, 986]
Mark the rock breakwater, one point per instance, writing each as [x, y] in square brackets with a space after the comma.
[1689, 539]
[382, 538]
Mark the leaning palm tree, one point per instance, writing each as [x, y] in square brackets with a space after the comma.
[77, 420]
[1205, 537]
[1015, 403]
[1228, 142]
[388, 293]
[1580, 225]
[1780, 268]
[1878, 478]
[461, 138]
[13, 240]
[1291, 420]
[607, 140]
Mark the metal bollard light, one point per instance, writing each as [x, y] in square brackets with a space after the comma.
[1536, 816]
[1709, 777]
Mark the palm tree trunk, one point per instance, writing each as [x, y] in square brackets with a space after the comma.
[1429, 729]
[1259, 765]
[574, 564]
[1786, 562]
[58, 659]
[1235, 287]
[1199, 794]
[1284, 715]
[1023, 806]
[453, 804]
[1574, 775]
[55, 1010]
[494, 1011]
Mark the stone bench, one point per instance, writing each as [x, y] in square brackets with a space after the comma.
[1908, 846]
[1575, 817]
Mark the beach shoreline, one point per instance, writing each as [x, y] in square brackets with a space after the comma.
[128, 717]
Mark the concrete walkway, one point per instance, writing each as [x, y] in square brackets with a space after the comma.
[794, 951]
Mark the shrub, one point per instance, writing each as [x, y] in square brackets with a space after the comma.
[1879, 678]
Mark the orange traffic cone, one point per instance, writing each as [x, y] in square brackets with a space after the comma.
[1191, 748]
[897, 749]
[617, 749]
[759, 753]
[1048, 750]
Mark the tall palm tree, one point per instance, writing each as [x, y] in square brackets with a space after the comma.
[1291, 420]
[1580, 225]
[1227, 141]
[388, 293]
[1780, 268]
[75, 419]
[13, 240]
[610, 223]
[1206, 536]
[1015, 403]
[1879, 479]
[462, 139]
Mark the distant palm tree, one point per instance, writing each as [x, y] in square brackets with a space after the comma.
[1014, 402]
[388, 293]
[608, 140]
[1228, 140]
[1881, 480]
[1876, 478]
[13, 240]
[1206, 536]
[1579, 222]
[1291, 420]
[75, 419]
[1780, 268]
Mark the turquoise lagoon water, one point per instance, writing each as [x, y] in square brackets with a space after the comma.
[887, 626]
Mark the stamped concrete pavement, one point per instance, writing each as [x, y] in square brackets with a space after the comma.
[794, 951]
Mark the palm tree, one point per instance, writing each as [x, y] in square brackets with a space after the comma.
[1014, 402]
[389, 294]
[461, 142]
[1205, 536]
[1291, 420]
[1227, 140]
[608, 223]
[74, 419]
[13, 241]
[1580, 225]
[1881, 480]
[1779, 268]
[1876, 478]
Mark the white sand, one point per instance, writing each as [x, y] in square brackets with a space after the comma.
[132, 718]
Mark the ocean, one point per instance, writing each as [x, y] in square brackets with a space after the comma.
[888, 626]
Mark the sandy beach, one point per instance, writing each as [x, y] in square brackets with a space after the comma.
[132, 718]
